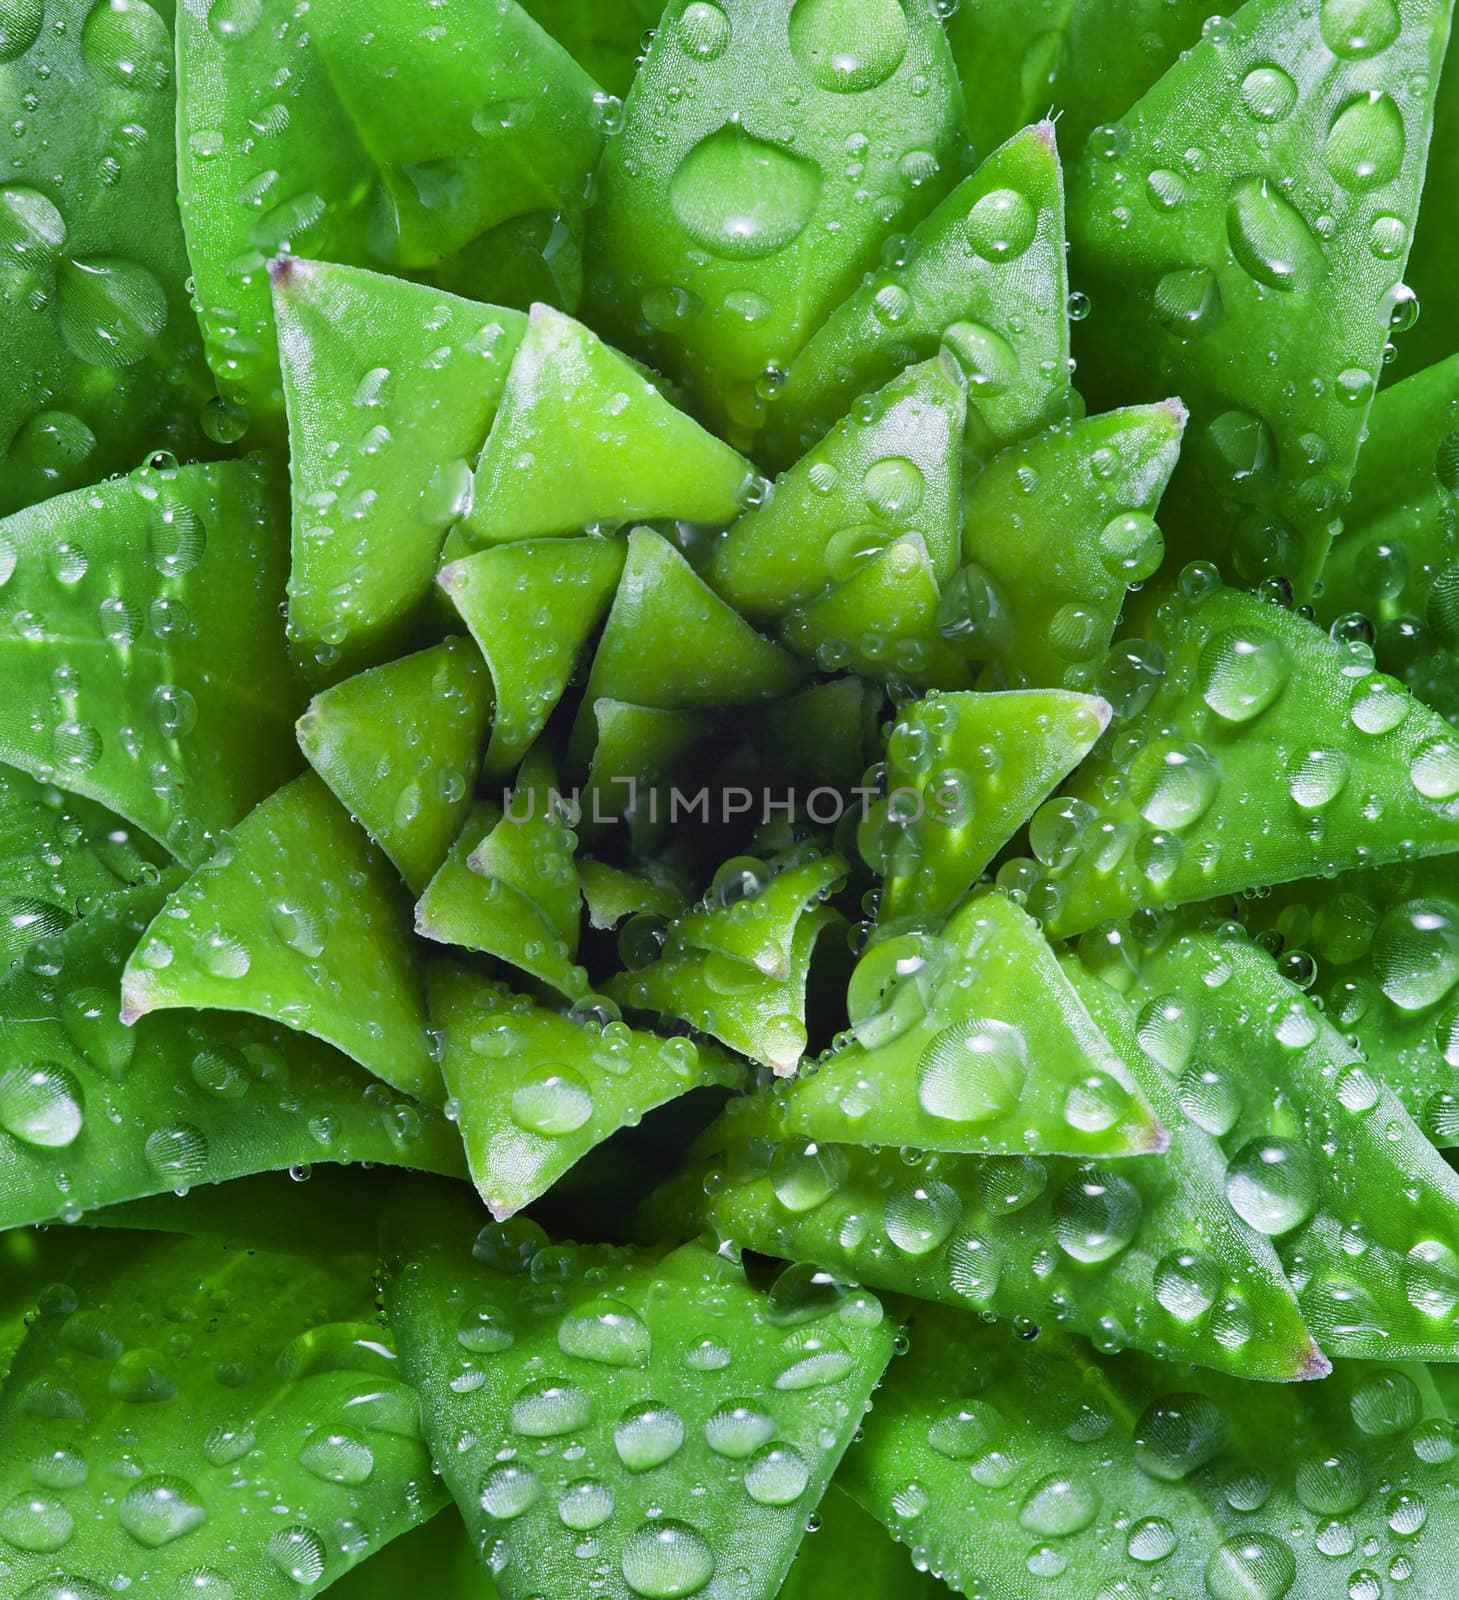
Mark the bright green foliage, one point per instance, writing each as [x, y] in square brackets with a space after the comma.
[638, 750]
[533, 1091]
[510, 886]
[60, 856]
[1178, 803]
[390, 389]
[1087, 61]
[103, 358]
[613, 894]
[333, 100]
[437, 1556]
[704, 654]
[93, 1112]
[605, 37]
[684, 1419]
[400, 744]
[983, 276]
[963, 772]
[531, 606]
[1053, 532]
[1257, 281]
[824, 734]
[1380, 948]
[724, 229]
[1046, 1471]
[1397, 562]
[1321, 1156]
[759, 1014]
[890, 467]
[300, 919]
[852, 1553]
[973, 1042]
[143, 665]
[1136, 1252]
[584, 440]
[751, 919]
[233, 1383]
[1427, 274]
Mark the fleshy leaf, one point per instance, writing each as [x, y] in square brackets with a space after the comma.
[705, 1416]
[613, 894]
[300, 919]
[283, 1392]
[1178, 805]
[639, 750]
[1321, 1155]
[584, 440]
[758, 1015]
[437, 1556]
[1397, 562]
[531, 606]
[891, 465]
[535, 1090]
[1047, 1471]
[390, 389]
[400, 745]
[95, 1113]
[852, 1552]
[1287, 238]
[753, 919]
[974, 1042]
[510, 888]
[1381, 948]
[409, 135]
[825, 734]
[984, 276]
[60, 856]
[1086, 61]
[969, 768]
[606, 39]
[724, 229]
[704, 654]
[103, 358]
[145, 666]
[1054, 531]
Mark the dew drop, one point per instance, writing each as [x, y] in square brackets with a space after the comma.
[742, 198]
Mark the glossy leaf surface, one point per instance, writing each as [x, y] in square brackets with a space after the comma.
[300, 919]
[143, 661]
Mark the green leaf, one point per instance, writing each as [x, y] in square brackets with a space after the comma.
[891, 465]
[103, 355]
[963, 772]
[1380, 947]
[94, 1113]
[1084, 61]
[1286, 239]
[534, 1090]
[1321, 1156]
[639, 750]
[437, 1555]
[826, 734]
[510, 886]
[974, 1042]
[613, 894]
[300, 919]
[531, 606]
[406, 137]
[1046, 1471]
[1181, 802]
[852, 1553]
[1054, 531]
[1397, 562]
[693, 1421]
[390, 388]
[60, 856]
[750, 918]
[757, 1014]
[400, 745]
[606, 39]
[705, 655]
[983, 276]
[144, 663]
[271, 1444]
[585, 440]
[724, 229]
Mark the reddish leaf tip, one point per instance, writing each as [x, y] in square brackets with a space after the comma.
[283, 269]
[1179, 410]
[1313, 1365]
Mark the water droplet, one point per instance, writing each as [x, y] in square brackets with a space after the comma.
[1357, 28]
[75, 746]
[111, 312]
[704, 31]
[1096, 1215]
[647, 1436]
[1272, 1184]
[804, 1293]
[805, 1176]
[1150, 1539]
[585, 1505]
[920, 1216]
[20, 26]
[1268, 93]
[988, 362]
[298, 1552]
[1386, 1405]
[1182, 785]
[545, 1410]
[1317, 778]
[1252, 1566]
[1435, 769]
[1331, 1485]
[607, 1331]
[666, 1560]
[742, 198]
[507, 1491]
[338, 1456]
[1366, 142]
[1059, 1505]
[1270, 238]
[176, 536]
[32, 230]
[552, 1100]
[177, 1154]
[737, 1430]
[777, 1476]
[40, 1104]
[125, 43]
[1416, 953]
[894, 488]
[157, 1510]
[1242, 672]
[37, 1524]
[1002, 225]
[1179, 1434]
[848, 45]
[973, 1072]
[1186, 1284]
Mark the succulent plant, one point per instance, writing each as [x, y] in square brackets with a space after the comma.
[702, 884]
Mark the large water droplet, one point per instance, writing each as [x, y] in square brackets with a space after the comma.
[125, 43]
[507, 1491]
[1243, 670]
[1178, 1434]
[742, 198]
[298, 1552]
[848, 45]
[1359, 27]
[777, 1475]
[738, 1429]
[1096, 1215]
[37, 1524]
[1272, 1184]
[1365, 143]
[110, 311]
[1252, 1566]
[1059, 1505]
[647, 1436]
[1268, 93]
[337, 1455]
[607, 1331]
[585, 1504]
[1188, 301]
[1002, 225]
[973, 1072]
[666, 1560]
[40, 1104]
[155, 1511]
[1416, 953]
[32, 230]
[1182, 785]
[553, 1100]
[545, 1410]
[177, 1154]
[704, 31]
[20, 26]
[920, 1216]
[1270, 238]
